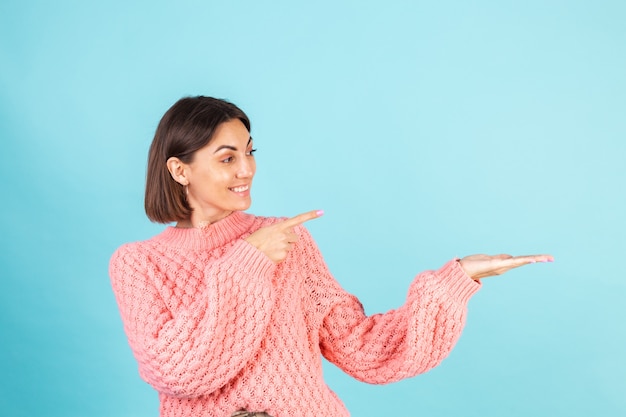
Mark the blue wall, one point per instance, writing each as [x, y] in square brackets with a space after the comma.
[425, 130]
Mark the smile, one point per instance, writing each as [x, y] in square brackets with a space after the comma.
[241, 189]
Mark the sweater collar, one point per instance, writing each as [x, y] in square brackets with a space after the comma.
[212, 236]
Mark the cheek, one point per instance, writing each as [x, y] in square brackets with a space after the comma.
[216, 177]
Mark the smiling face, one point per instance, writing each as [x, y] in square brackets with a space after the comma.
[219, 177]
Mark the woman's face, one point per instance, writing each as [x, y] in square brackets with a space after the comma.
[220, 175]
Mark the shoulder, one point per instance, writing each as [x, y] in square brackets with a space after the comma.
[133, 253]
[127, 249]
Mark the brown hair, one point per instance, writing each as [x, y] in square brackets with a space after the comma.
[185, 128]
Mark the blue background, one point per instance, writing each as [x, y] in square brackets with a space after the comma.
[425, 131]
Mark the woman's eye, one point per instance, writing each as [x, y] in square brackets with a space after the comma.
[227, 160]
[251, 152]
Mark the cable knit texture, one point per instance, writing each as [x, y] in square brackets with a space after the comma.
[217, 327]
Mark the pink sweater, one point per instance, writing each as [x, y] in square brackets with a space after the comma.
[217, 327]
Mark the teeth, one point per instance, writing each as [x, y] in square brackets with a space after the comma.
[240, 189]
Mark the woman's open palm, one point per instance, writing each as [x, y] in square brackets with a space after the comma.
[482, 266]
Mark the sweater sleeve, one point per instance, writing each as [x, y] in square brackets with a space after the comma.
[195, 350]
[401, 343]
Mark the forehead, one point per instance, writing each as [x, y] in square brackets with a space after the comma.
[232, 131]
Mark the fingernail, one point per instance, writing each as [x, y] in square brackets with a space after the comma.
[319, 212]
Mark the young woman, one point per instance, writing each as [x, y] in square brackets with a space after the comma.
[229, 314]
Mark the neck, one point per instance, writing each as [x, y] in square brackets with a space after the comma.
[218, 234]
[201, 222]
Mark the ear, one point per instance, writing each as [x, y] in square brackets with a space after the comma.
[177, 170]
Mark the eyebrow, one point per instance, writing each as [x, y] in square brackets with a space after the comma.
[232, 148]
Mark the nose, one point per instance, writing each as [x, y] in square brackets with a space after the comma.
[246, 168]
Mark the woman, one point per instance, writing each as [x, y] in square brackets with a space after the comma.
[228, 314]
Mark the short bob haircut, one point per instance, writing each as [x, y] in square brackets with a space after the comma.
[185, 128]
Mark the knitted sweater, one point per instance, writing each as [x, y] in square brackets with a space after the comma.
[216, 326]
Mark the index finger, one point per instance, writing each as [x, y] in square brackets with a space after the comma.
[301, 218]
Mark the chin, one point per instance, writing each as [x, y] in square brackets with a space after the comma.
[242, 207]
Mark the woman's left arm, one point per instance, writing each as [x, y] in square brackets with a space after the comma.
[401, 343]
[410, 340]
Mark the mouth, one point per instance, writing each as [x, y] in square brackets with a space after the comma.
[240, 189]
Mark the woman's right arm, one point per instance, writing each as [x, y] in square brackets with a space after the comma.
[194, 350]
